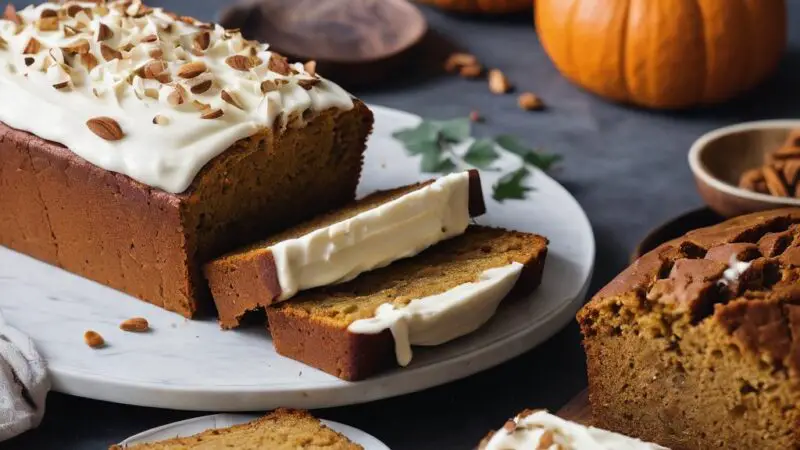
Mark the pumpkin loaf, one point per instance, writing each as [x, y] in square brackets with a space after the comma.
[282, 429]
[697, 344]
[356, 329]
[136, 145]
[339, 245]
[531, 430]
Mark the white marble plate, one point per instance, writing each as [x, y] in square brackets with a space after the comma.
[190, 427]
[193, 365]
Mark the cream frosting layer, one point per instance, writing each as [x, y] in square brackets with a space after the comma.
[735, 270]
[541, 430]
[442, 317]
[63, 65]
[397, 229]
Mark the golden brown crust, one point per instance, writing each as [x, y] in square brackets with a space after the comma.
[681, 354]
[310, 331]
[62, 210]
[245, 281]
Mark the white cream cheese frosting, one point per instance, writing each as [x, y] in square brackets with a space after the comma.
[542, 430]
[397, 229]
[64, 65]
[442, 317]
[735, 270]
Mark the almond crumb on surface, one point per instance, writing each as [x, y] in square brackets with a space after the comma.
[456, 61]
[498, 83]
[93, 339]
[135, 325]
[530, 102]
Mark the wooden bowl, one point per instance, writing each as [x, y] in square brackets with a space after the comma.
[354, 42]
[719, 158]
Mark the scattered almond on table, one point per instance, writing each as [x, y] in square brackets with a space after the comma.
[93, 339]
[457, 61]
[498, 83]
[530, 102]
[135, 325]
[780, 174]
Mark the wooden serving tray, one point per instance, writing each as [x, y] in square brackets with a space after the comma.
[578, 409]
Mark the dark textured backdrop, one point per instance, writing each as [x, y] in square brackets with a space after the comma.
[627, 167]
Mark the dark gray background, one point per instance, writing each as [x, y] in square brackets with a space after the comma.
[626, 166]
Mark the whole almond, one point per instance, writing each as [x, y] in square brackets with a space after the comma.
[93, 339]
[199, 88]
[10, 13]
[104, 32]
[153, 69]
[229, 98]
[212, 114]
[498, 83]
[269, 86]
[135, 324]
[192, 69]
[278, 64]
[149, 38]
[458, 60]
[239, 62]
[32, 47]
[311, 67]
[201, 41]
[156, 53]
[530, 102]
[48, 24]
[177, 97]
[105, 127]
[109, 53]
[775, 184]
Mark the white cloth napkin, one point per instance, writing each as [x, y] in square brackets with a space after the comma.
[23, 382]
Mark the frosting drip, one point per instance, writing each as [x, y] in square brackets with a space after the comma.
[397, 229]
[541, 430]
[180, 91]
[735, 270]
[443, 317]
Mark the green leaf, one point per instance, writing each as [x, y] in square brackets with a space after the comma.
[455, 130]
[426, 131]
[481, 153]
[422, 147]
[434, 163]
[511, 185]
[512, 144]
[543, 161]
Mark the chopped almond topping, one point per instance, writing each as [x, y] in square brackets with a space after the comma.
[109, 53]
[104, 32]
[192, 69]
[32, 47]
[229, 98]
[212, 114]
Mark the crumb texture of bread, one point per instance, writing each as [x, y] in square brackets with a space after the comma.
[58, 208]
[283, 429]
[313, 327]
[697, 344]
[245, 281]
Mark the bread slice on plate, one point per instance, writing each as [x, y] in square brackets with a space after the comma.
[282, 429]
[531, 430]
[340, 245]
[355, 329]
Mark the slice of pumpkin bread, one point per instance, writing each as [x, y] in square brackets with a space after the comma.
[340, 245]
[283, 429]
[355, 329]
[697, 344]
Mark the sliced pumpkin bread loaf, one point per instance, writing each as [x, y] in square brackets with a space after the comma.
[697, 344]
[338, 246]
[355, 329]
[283, 429]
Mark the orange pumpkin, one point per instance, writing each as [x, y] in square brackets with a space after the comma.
[482, 6]
[663, 53]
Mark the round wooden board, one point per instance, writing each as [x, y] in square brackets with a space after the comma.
[355, 42]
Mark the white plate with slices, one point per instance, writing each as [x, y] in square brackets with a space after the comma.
[190, 427]
[193, 365]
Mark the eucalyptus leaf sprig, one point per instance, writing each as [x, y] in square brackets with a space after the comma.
[434, 140]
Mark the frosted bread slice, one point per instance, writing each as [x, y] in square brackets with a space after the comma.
[282, 429]
[338, 246]
[542, 430]
[355, 329]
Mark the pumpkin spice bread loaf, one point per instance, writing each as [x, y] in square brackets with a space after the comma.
[697, 344]
[282, 429]
[533, 430]
[339, 245]
[356, 329]
[135, 145]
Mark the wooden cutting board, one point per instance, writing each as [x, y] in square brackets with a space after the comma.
[578, 409]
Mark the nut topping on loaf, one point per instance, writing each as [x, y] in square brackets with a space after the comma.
[697, 344]
[120, 60]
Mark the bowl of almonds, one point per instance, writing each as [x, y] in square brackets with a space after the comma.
[748, 167]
